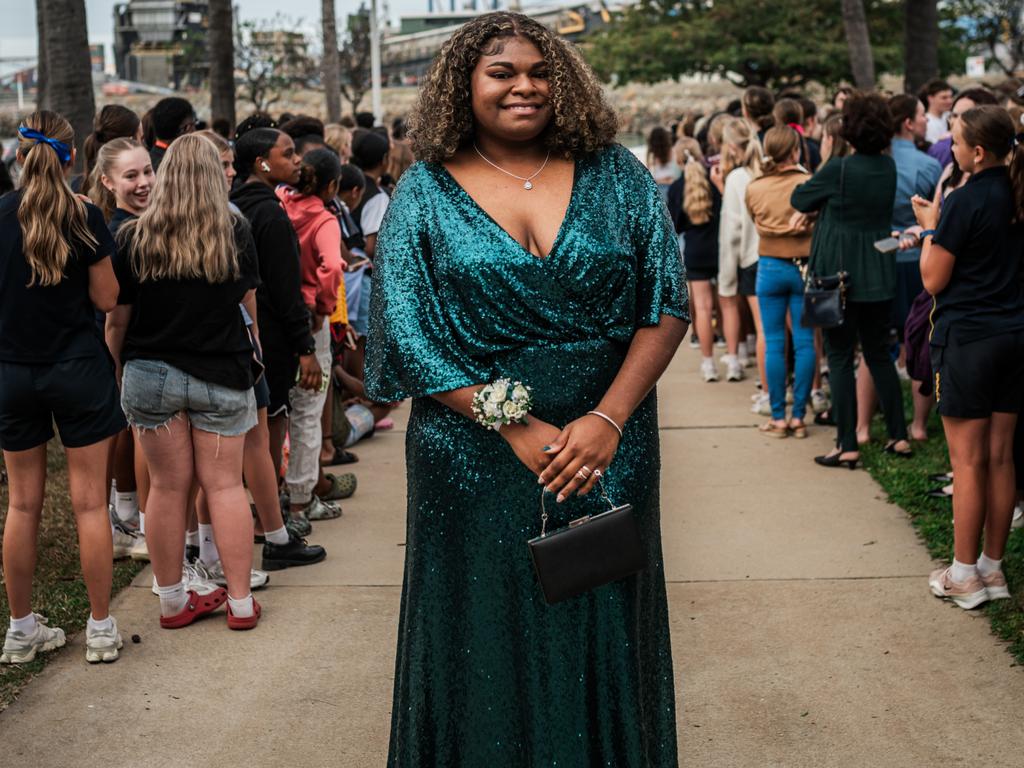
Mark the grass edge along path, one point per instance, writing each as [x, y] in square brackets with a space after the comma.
[58, 589]
[905, 481]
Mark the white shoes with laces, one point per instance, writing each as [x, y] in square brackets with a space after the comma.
[708, 370]
[21, 648]
[103, 645]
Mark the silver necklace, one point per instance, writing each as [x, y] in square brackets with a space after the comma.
[527, 180]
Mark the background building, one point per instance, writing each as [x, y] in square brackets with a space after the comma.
[162, 42]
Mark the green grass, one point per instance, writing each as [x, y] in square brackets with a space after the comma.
[906, 480]
[59, 592]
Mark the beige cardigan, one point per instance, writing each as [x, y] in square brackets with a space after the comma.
[768, 202]
[737, 237]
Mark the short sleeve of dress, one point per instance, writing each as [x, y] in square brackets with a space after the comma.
[105, 243]
[954, 230]
[126, 279]
[661, 277]
[412, 349]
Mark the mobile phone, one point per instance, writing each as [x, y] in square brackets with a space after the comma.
[887, 245]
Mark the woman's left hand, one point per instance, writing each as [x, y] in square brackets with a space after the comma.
[586, 446]
[926, 212]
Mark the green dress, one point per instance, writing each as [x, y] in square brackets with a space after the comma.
[487, 674]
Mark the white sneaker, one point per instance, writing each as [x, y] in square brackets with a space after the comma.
[103, 644]
[215, 574]
[194, 579]
[124, 542]
[1018, 517]
[20, 648]
[733, 368]
[819, 401]
[762, 405]
[140, 551]
[708, 370]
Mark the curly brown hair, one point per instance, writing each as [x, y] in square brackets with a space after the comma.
[442, 121]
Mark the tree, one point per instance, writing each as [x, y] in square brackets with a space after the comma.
[330, 66]
[222, 61]
[355, 58]
[996, 29]
[858, 40]
[271, 56]
[748, 42]
[64, 60]
[920, 43]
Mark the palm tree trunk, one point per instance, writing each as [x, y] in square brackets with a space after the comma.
[64, 57]
[330, 66]
[222, 61]
[920, 43]
[862, 62]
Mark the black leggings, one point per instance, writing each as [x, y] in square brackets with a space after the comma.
[869, 322]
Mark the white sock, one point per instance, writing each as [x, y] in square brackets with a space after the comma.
[172, 598]
[987, 566]
[279, 537]
[741, 350]
[207, 546]
[142, 522]
[730, 359]
[963, 571]
[751, 341]
[99, 626]
[126, 505]
[25, 625]
[192, 538]
[243, 608]
[112, 498]
[708, 360]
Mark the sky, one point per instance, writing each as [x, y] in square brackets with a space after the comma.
[18, 35]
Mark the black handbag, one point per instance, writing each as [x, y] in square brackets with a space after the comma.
[825, 296]
[587, 553]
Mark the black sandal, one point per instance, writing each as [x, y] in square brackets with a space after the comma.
[835, 461]
[340, 457]
[943, 477]
[938, 493]
[890, 448]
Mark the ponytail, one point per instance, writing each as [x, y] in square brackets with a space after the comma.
[50, 214]
[991, 128]
[697, 201]
[779, 145]
[111, 122]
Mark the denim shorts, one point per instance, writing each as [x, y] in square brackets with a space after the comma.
[153, 393]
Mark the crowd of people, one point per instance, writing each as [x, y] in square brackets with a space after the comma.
[190, 311]
[917, 200]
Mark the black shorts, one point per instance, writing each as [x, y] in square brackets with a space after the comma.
[79, 395]
[701, 274]
[979, 378]
[746, 280]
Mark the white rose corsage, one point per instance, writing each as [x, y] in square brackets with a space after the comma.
[502, 402]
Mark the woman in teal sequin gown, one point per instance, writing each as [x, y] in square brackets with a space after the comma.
[487, 674]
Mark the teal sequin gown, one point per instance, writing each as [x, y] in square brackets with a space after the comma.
[487, 674]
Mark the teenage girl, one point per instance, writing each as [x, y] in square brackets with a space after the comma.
[970, 264]
[55, 272]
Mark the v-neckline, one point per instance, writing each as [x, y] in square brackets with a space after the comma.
[561, 227]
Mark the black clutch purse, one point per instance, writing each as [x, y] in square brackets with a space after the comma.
[587, 553]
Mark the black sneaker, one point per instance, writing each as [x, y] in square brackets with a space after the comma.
[295, 552]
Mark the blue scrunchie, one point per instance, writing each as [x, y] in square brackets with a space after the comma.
[63, 150]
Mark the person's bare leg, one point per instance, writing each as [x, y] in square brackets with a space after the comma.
[219, 471]
[258, 470]
[88, 490]
[124, 462]
[1002, 485]
[968, 453]
[867, 403]
[327, 427]
[26, 484]
[762, 349]
[277, 427]
[922, 410]
[701, 304]
[731, 322]
[168, 451]
[141, 474]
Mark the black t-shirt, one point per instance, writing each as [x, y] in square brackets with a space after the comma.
[42, 325]
[189, 323]
[700, 246]
[984, 296]
[117, 218]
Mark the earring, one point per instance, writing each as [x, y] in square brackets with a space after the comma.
[264, 167]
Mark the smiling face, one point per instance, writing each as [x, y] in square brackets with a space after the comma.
[510, 91]
[131, 180]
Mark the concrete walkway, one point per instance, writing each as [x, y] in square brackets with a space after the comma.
[803, 631]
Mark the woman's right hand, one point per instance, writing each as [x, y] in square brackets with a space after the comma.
[529, 441]
[310, 374]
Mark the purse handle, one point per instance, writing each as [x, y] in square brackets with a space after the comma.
[578, 521]
[842, 187]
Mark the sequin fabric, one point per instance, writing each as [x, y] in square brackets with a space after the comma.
[487, 674]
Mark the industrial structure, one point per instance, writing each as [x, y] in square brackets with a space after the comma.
[162, 42]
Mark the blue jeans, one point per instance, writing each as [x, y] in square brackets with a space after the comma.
[780, 288]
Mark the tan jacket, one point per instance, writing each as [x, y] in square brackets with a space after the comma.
[768, 202]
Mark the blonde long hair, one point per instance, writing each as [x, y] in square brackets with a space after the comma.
[188, 229]
[740, 148]
[106, 158]
[50, 214]
[697, 201]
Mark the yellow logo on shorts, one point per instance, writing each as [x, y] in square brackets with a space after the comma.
[938, 387]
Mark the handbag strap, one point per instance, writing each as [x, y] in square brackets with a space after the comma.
[842, 188]
[544, 511]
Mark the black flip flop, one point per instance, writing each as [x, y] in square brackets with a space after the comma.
[938, 493]
[340, 457]
[942, 477]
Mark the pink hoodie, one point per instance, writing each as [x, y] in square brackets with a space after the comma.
[319, 248]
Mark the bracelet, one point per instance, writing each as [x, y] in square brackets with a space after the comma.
[609, 419]
[502, 402]
[926, 233]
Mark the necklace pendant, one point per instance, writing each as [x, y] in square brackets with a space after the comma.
[528, 185]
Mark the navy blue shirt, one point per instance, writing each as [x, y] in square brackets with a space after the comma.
[983, 297]
[42, 325]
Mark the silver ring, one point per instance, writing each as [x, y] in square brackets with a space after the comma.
[598, 473]
[581, 476]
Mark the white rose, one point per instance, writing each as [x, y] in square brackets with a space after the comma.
[520, 392]
[492, 410]
[510, 409]
[499, 390]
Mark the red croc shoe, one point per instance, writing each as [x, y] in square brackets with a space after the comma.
[234, 622]
[196, 606]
